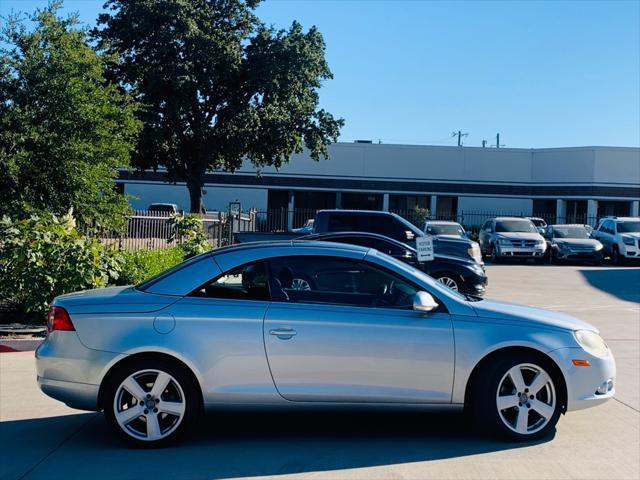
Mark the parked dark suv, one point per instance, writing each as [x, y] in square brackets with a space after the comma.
[462, 274]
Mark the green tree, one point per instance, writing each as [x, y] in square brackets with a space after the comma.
[217, 86]
[64, 128]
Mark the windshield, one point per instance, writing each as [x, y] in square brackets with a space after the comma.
[538, 222]
[524, 226]
[445, 230]
[570, 232]
[628, 227]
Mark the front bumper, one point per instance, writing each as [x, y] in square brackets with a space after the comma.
[70, 372]
[630, 251]
[520, 252]
[593, 256]
[583, 383]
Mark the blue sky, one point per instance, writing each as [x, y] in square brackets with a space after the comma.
[543, 73]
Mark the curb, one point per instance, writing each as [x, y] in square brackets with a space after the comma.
[19, 345]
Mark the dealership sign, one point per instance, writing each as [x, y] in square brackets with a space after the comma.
[424, 245]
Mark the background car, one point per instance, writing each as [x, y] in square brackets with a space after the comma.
[305, 229]
[620, 237]
[460, 273]
[511, 237]
[572, 243]
[438, 228]
[540, 224]
[230, 328]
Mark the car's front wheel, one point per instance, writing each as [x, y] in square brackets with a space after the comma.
[518, 398]
[151, 403]
[452, 281]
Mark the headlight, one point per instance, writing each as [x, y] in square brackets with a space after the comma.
[628, 240]
[598, 247]
[504, 241]
[540, 242]
[477, 269]
[591, 343]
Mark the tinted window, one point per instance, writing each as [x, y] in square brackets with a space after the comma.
[628, 227]
[444, 230]
[379, 244]
[248, 282]
[515, 226]
[338, 281]
[570, 232]
[451, 248]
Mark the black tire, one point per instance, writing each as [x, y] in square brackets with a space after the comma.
[616, 258]
[190, 393]
[493, 254]
[483, 398]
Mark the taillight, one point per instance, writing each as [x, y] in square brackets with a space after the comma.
[58, 319]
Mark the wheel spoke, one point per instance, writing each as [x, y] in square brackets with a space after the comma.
[516, 377]
[542, 408]
[133, 387]
[522, 422]
[539, 382]
[153, 427]
[126, 416]
[160, 385]
[173, 408]
[507, 401]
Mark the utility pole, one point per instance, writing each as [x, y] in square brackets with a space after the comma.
[459, 134]
[498, 144]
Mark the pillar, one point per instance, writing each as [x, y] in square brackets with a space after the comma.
[385, 202]
[290, 207]
[561, 211]
[592, 212]
[634, 211]
[433, 206]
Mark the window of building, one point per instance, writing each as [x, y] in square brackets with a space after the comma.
[576, 211]
[447, 208]
[361, 201]
[613, 208]
[408, 203]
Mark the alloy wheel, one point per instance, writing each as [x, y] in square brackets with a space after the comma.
[526, 398]
[300, 284]
[149, 405]
[449, 282]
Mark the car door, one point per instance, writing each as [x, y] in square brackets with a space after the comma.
[351, 335]
[219, 327]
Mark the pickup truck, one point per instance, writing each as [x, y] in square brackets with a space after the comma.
[383, 223]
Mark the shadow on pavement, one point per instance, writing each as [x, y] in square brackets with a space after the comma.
[623, 283]
[252, 444]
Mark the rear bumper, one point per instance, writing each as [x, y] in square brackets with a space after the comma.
[583, 382]
[82, 396]
[70, 372]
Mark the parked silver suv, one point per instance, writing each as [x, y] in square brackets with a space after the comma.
[511, 237]
[620, 237]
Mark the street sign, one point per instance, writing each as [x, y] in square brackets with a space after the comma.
[424, 245]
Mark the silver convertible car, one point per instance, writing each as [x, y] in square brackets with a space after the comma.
[302, 324]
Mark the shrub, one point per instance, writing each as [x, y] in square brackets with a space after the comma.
[189, 233]
[139, 265]
[45, 256]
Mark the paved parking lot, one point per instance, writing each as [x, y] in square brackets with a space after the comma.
[41, 438]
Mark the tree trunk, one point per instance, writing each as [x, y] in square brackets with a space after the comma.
[195, 195]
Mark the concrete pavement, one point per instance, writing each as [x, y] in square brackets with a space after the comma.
[41, 438]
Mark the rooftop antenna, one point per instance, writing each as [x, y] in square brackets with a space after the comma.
[498, 144]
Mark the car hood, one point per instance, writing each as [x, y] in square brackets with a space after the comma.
[519, 235]
[528, 316]
[126, 299]
[631, 234]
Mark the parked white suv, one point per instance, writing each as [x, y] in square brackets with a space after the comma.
[620, 237]
[511, 237]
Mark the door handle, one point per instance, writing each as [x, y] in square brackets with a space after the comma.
[283, 333]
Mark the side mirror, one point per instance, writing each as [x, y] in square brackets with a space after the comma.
[423, 302]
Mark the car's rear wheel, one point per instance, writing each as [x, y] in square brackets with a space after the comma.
[518, 398]
[151, 403]
[493, 254]
[616, 258]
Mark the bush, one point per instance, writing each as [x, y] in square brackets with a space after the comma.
[45, 256]
[139, 265]
[189, 233]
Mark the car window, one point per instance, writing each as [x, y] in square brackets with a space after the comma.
[628, 227]
[338, 281]
[524, 226]
[570, 232]
[379, 244]
[444, 230]
[248, 282]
